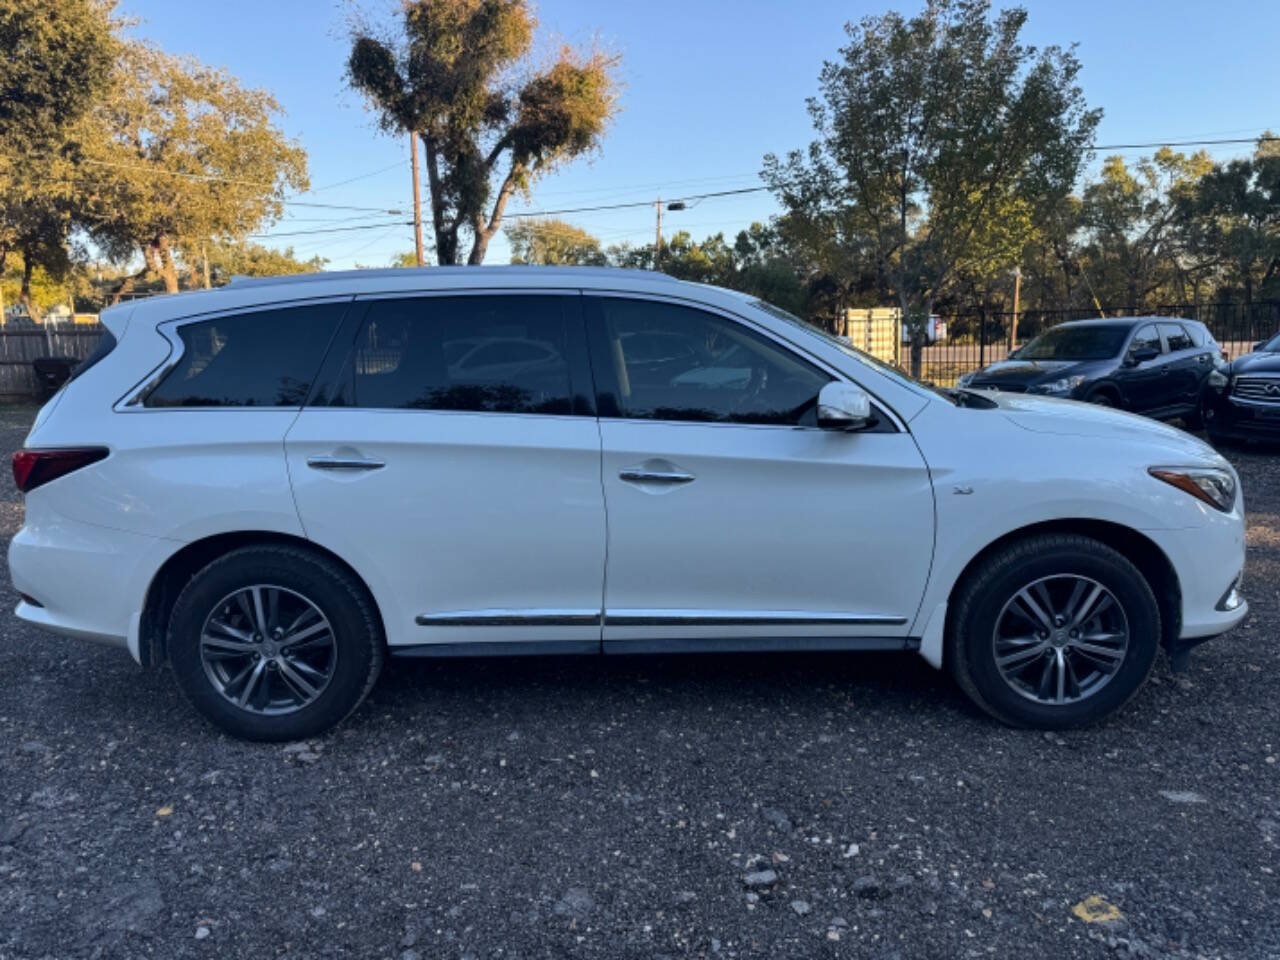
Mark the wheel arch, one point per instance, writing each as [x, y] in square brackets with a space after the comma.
[176, 572]
[1133, 545]
[1110, 389]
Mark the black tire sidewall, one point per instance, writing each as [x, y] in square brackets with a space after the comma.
[318, 582]
[1104, 566]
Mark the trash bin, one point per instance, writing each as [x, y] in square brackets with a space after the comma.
[53, 372]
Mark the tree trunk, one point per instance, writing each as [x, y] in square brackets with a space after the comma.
[168, 270]
[446, 240]
[25, 294]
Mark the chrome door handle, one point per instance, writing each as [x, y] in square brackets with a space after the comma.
[655, 476]
[344, 463]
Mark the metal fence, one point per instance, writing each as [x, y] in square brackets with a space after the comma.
[973, 340]
[19, 347]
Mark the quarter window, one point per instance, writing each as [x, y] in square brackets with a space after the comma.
[267, 358]
[496, 354]
[670, 362]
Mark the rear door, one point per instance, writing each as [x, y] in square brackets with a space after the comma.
[452, 456]
[1184, 366]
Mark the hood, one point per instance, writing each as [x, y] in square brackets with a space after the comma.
[1264, 362]
[1029, 372]
[1071, 418]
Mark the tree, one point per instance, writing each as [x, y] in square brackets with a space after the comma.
[553, 243]
[241, 258]
[1129, 218]
[1230, 217]
[484, 136]
[925, 126]
[57, 62]
[180, 153]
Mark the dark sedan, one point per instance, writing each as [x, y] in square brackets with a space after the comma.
[1242, 401]
[1151, 365]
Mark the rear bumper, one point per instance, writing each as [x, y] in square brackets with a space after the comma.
[86, 581]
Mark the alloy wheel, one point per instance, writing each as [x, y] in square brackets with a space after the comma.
[268, 650]
[1060, 639]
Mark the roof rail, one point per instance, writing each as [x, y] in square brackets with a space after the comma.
[241, 282]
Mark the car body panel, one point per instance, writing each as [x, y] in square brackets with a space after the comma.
[778, 521]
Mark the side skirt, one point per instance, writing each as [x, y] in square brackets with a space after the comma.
[547, 648]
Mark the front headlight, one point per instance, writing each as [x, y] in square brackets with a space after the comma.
[1065, 385]
[1215, 487]
[1217, 379]
[964, 379]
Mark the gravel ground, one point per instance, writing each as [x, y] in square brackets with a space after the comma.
[798, 806]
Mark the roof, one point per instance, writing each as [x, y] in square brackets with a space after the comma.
[1123, 321]
[401, 273]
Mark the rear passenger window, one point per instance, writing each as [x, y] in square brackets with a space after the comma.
[266, 358]
[1146, 339]
[494, 354]
[1177, 337]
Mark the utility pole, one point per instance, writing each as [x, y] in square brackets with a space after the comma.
[1017, 293]
[417, 199]
[657, 243]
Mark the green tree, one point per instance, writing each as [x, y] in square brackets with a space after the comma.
[1230, 218]
[925, 126]
[245, 259]
[180, 154]
[1130, 218]
[485, 137]
[57, 62]
[553, 243]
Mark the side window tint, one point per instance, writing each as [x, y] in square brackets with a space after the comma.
[266, 358]
[495, 354]
[1145, 338]
[1199, 335]
[677, 363]
[1176, 337]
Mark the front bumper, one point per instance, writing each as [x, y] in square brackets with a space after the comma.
[1234, 418]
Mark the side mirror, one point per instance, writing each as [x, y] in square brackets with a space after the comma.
[1142, 355]
[842, 406]
[1260, 345]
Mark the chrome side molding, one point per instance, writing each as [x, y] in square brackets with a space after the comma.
[655, 618]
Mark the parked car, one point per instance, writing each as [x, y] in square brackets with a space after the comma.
[1155, 366]
[275, 485]
[1242, 401]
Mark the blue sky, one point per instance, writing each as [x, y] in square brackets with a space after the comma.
[709, 88]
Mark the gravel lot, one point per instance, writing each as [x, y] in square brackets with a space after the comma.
[799, 806]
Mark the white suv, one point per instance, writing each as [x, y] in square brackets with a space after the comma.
[274, 485]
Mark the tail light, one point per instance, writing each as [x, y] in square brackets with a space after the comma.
[32, 468]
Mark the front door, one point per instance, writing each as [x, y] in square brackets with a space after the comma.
[453, 459]
[732, 517]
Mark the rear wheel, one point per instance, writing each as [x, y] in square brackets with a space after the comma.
[275, 643]
[1054, 631]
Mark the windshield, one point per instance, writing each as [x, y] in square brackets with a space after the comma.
[1272, 345]
[850, 350]
[1092, 342]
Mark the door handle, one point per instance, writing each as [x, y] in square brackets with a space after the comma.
[656, 476]
[344, 463]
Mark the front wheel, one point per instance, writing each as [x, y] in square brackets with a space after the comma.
[1054, 631]
[275, 643]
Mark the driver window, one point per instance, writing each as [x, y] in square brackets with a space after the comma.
[678, 363]
[1145, 338]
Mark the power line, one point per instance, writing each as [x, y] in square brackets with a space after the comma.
[305, 233]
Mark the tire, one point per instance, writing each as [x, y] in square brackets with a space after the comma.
[987, 616]
[293, 690]
[1103, 398]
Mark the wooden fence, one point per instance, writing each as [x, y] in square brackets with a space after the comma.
[19, 347]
